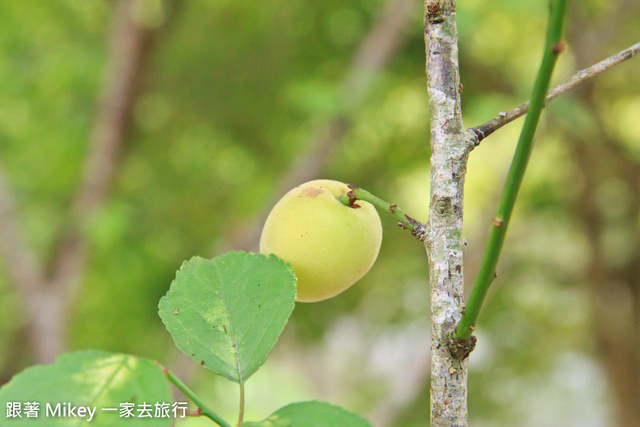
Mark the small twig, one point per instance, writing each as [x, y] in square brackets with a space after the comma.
[202, 408]
[418, 229]
[484, 130]
[553, 47]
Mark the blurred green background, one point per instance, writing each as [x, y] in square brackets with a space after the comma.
[231, 103]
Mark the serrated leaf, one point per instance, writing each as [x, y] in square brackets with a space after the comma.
[93, 379]
[228, 312]
[311, 414]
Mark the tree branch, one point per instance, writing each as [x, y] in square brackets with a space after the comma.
[450, 147]
[553, 47]
[486, 129]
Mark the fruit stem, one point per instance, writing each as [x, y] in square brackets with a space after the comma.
[202, 408]
[417, 229]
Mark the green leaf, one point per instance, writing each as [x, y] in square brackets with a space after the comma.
[228, 312]
[311, 414]
[93, 379]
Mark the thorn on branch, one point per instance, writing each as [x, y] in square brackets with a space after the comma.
[559, 47]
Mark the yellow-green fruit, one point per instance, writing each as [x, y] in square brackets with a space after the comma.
[329, 245]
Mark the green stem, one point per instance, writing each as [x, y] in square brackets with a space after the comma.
[418, 229]
[202, 408]
[553, 47]
[241, 410]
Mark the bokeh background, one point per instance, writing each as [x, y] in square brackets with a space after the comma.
[136, 134]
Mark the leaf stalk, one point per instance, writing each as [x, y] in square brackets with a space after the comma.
[202, 408]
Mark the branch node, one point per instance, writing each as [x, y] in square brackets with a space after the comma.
[497, 221]
[459, 349]
[477, 137]
[419, 231]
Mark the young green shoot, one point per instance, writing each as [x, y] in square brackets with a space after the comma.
[553, 47]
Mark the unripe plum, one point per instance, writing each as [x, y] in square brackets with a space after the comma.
[329, 245]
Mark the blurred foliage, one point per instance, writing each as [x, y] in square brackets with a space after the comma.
[232, 93]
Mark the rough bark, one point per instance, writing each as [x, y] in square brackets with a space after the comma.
[450, 147]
